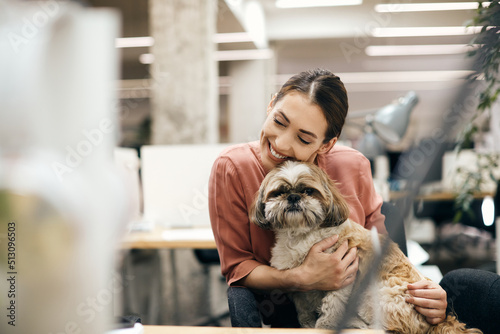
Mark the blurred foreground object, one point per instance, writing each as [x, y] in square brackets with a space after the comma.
[61, 201]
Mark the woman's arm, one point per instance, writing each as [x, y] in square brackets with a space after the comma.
[320, 271]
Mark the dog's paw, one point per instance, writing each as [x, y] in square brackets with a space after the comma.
[325, 323]
[307, 321]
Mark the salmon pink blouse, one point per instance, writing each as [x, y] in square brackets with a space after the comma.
[234, 181]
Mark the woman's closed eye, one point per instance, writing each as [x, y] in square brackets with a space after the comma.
[303, 141]
[283, 124]
[278, 122]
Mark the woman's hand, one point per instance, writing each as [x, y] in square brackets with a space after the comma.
[429, 300]
[328, 271]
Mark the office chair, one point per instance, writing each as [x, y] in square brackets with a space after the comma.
[250, 310]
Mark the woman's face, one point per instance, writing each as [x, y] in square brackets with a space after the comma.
[294, 130]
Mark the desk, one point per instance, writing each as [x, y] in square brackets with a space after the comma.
[448, 196]
[440, 206]
[229, 330]
[161, 238]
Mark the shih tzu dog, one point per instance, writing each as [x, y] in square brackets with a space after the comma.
[303, 206]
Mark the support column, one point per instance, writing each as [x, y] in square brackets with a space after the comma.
[252, 86]
[184, 73]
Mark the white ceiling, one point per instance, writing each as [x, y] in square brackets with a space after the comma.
[335, 38]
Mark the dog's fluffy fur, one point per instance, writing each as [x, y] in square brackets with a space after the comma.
[303, 206]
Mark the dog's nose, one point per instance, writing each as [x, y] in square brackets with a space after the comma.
[293, 198]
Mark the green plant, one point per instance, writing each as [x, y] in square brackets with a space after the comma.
[474, 178]
[487, 55]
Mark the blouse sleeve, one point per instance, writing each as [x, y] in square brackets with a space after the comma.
[371, 201]
[229, 219]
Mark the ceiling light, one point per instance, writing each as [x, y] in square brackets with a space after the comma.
[244, 54]
[414, 50]
[425, 31]
[235, 37]
[393, 76]
[146, 58]
[402, 76]
[134, 42]
[424, 7]
[315, 3]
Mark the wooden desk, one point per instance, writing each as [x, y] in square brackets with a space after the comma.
[156, 239]
[437, 196]
[447, 196]
[229, 330]
[171, 239]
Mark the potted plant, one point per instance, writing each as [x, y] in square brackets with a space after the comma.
[486, 52]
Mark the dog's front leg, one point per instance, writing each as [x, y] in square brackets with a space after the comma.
[307, 305]
[332, 307]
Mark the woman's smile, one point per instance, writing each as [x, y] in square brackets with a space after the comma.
[276, 154]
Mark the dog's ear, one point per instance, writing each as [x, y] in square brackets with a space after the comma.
[258, 211]
[337, 209]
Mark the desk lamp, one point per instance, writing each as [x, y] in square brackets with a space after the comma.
[390, 122]
[385, 125]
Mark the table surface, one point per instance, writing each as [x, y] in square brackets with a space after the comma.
[172, 238]
[229, 330]
[436, 196]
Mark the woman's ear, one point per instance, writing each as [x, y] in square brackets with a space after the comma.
[324, 148]
[270, 106]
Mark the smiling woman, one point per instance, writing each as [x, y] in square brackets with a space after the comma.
[304, 121]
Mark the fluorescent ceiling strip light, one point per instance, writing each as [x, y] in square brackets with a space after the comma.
[425, 31]
[137, 42]
[403, 76]
[427, 7]
[414, 50]
[393, 76]
[243, 54]
[235, 37]
[134, 42]
[315, 3]
[147, 58]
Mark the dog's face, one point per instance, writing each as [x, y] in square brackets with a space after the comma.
[298, 196]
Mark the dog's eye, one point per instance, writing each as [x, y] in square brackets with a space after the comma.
[309, 191]
[276, 193]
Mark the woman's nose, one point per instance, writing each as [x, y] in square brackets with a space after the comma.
[283, 143]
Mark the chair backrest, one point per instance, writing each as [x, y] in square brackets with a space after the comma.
[175, 183]
[394, 224]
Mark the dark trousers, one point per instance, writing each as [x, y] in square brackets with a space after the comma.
[250, 309]
[474, 296]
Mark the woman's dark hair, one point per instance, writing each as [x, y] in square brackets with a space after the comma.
[324, 89]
